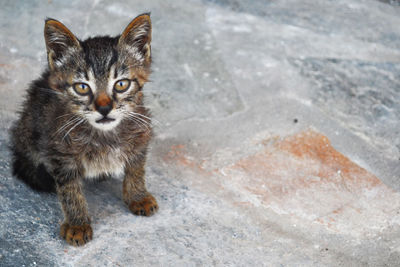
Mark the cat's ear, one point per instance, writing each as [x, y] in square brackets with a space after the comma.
[59, 40]
[136, 38]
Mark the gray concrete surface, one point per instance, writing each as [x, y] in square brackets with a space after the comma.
[277, 136]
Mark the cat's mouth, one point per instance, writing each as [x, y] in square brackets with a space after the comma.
[105, 120]
[105, 123]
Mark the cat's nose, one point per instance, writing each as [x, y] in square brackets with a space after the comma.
[103, 104]
[104, 110]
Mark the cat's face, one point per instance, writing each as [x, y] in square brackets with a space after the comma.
[100, 79]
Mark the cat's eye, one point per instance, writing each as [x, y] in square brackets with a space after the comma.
[81, 88]
[122, 85]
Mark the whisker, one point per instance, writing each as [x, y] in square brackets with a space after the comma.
[139, 121]
[150, 119]
[64, 115]
[76, 124]
[68, 123]
[139, 118]
[140, 115]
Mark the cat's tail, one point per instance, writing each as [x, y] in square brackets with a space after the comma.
[37, 177]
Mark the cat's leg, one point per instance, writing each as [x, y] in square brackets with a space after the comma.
[76, 229]
[134, 192]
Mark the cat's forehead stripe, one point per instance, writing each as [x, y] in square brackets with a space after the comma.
[112, 59]
[90, 75]
[115, 72]
[91, 80]
[112, 72]
[100, 54]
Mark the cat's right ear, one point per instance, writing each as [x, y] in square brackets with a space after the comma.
[58, 40]
[136, 38]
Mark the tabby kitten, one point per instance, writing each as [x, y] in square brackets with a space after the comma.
[84, 118]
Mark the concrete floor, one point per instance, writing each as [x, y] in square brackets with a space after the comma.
[277, 136]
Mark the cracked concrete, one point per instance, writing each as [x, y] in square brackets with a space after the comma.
[277, 136]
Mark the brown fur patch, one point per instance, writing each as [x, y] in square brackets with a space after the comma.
[147, 206]
[76, 235]
[142, 75]
[103, 100]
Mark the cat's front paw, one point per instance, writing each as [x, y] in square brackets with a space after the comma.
[76, 235]
[147, 206]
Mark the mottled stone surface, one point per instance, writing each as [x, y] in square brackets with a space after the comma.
[277, 136]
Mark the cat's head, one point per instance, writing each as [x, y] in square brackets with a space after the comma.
[99, 79]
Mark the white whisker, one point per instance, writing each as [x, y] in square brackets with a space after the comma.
[138, 121]
[68, 123]
[64, 115]
[135, 115]
[151, 119]
[76, 124]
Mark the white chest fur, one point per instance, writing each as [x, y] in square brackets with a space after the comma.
[111, 163]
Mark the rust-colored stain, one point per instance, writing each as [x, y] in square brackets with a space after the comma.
[305, 159]
[303, 176]
[313, 145]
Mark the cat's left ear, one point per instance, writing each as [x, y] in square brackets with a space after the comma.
[58, 41]
[137, 35]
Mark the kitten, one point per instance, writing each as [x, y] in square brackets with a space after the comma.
[84, 118]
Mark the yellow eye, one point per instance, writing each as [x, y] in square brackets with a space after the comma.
[81, 88]
[122, 85]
